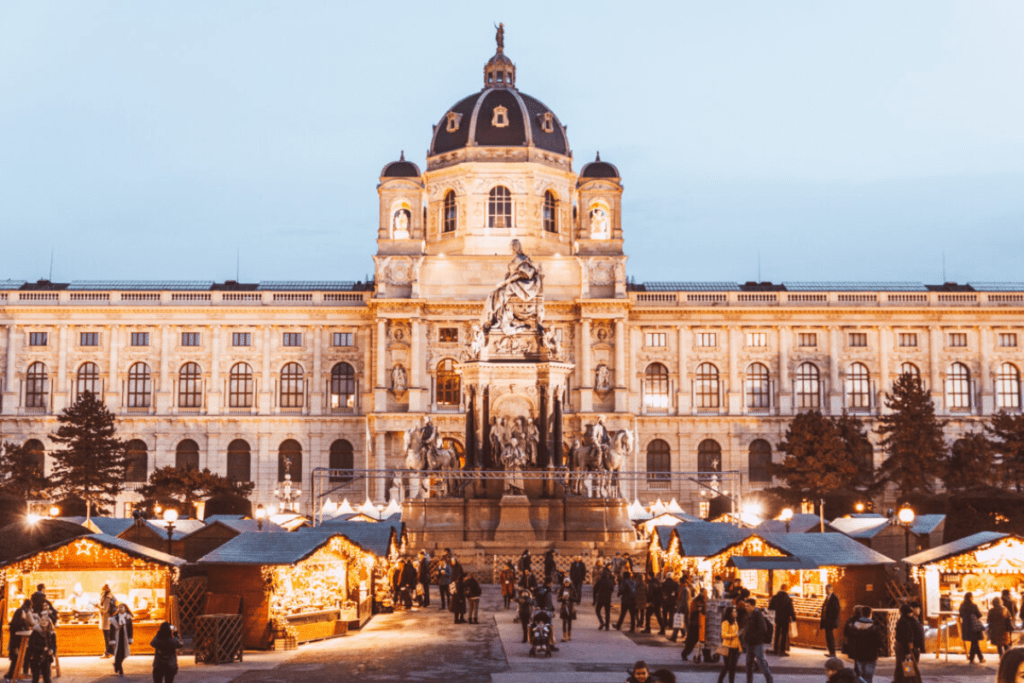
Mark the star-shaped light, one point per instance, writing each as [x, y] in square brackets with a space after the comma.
[83, 547]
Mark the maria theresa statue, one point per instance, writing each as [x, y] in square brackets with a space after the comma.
[523, 283]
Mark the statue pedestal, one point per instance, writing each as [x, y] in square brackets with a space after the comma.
[514, 520]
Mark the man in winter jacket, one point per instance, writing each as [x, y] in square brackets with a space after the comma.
[424, 578]
[549, 565]
[782, 604]
[830, 619]
[603, 591]
[577, 575]
[444, 581]
[654, 598]
[683, 599]
[627, 601]
[866, 640]
[754, 637]
[407, 583]
[669, 593]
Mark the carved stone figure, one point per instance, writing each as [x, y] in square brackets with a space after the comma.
[522, 283]
[599, 223]
[498, 435]
[499, 36]
[553, 343]
[513, 459]
[532, 441]
[400, 225]
[477, 341]
[603, 378]
[399, 379]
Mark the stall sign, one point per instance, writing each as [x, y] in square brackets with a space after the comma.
[931, 591]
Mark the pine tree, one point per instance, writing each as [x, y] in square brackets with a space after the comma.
[181, 488]
[22, 475]
[91, 465]
[1007, 434]
[971, 464]
[911, 439]
[818, 460]
[858, 446]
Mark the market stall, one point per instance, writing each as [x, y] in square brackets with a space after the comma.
[74, 572]
[683, 547]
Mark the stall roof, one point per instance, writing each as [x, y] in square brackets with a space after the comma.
[23, 539]
[743, 562]
[375, 538]
[829, 549]
[257, 547]
[957, 547]
[133, 549]
[182, 528]
[801, 523]
[220, 518]
[860, 527]
[925, 524]
[241, 526]
[701, 539]
[112, 526]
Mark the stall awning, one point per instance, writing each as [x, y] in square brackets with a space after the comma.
[375, 538]
[827, 549]
[133, 549]
[701, 539]
[957, 547]
[745, 562]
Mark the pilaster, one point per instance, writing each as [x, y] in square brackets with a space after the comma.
[785, 389]
[586, 374]
[10, 396]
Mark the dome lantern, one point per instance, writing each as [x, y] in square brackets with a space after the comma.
[499, 71]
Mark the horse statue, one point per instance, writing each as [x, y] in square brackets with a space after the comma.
[416, 461]
[445, 461]
[584, 458]
[614, 459]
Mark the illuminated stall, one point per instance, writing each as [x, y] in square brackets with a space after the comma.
[684, 547]
[74, 572]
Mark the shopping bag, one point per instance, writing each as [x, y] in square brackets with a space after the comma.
[793, 631]
[909, 668]
[679, 621]
[723, 650]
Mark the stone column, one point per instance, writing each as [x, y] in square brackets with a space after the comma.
[683, 388]
[318, 386]
[835, 384]
[418, 396]
[165, 387]
[622, 372]
[215, 399]
[10, 396]
[380, 390]
[785, 388]
[934, 371]
[987, 390]
[113, 398]
[586, 373]
[267, 388]
[884, 347]
[60, 390]
[379, 463]
[734, 399]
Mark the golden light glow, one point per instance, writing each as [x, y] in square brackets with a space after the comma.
[906, 515]
[170, 515]
[786, 515]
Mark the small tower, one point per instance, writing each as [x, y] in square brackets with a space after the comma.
[599, 208]
[401, 202]
[499, 71]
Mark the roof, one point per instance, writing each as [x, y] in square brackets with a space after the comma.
[133, 549]
[240, 526]
[926, 524]
[702, 539]
[182, 528]
[743, 562]
[261, 548]
[400, 169]
[599, 169]
[23, 539]
[374, 538]
[112, 526]
[827, 549]
[210, 519]
[957, 547]
[188, 285]
[471, 123]
[801, 523]
[860, 527]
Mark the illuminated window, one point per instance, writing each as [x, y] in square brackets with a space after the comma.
[958, 387]
[499, 208]
[190, 386]
[448, 335]
[758, 389]
[343, 386]
[656, 387]
[449, 384]
[858, 387]
[706, 386]
[808, 387]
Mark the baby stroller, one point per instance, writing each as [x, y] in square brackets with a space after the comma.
[541, 634]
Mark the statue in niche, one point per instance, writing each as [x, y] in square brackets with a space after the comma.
[523, 283]
[513, 459]
[531, 441]
[477, 341]
[399, 380]
[553, 343]
[603, 378]
[400, 224]
[599, 223]
[498, 435]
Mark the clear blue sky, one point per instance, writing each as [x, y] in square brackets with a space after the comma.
[841, 140]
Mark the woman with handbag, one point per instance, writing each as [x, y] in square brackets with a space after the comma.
[907, 648]
[1000, 625]
[730, 647]
[971, 629]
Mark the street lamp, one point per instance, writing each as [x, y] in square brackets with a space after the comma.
[170, 516]
[261, 514]
[906, 517]
[786, 516]
[859, 507]
[54, 511]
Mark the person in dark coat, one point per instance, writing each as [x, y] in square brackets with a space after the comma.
[578, 574]
[407, 583]
[1000, 626]
[836, 672]
[457, 570]
[971, 629]
[754, 637]
[865, 641]
[549, 564]
[444, 581]
[473, 593]
[603, 591]
[528, 581]
[909, 639]
[165, 654]
[42, 646]
[784, 613]
[830, 619]
[654, 606]
[698, 608]
[669, 594]
[123, 630]
[525, 561]
[23, 619]
[458, 605]
[683, 599]
[627, 601]
[567, 600]
[424, 578]
[524, 600]
[1011, 605]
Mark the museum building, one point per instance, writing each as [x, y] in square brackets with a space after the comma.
[244, 378]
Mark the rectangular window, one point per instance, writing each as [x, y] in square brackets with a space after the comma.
[89, 339]
[343, 339]
[190, 339]
[292, 339]
[140, 338]
[707, 339]
[958, 339]
[757, 339]
[808, 339]
[908, 339]
[858, 339]
[37, 338]
[448, 334]
[241, 338]
[1007, 338]
[655, 338]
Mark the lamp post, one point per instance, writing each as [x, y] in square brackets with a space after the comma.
[906, 517]
[170, 516]
[54, 512]
[859, 507]
[261, 514]
[786, 516]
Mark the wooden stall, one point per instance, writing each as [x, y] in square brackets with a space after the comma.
[74, 572]
[213, 535]
[684, 547]
[153, 533]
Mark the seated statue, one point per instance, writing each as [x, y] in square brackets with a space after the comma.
[522, 283]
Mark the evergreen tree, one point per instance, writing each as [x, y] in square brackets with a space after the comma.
[858, 446]
[971, 464]
[181, 488]
[1007, 434]
[92, 463]
[911, 439]
[818, 460]
[22, 475]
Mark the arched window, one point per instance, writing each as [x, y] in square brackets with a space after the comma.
[341, 458]
[550, 212]
[808, 387]
[239, 461]
[37, 390]
[343, 386]
[709, 459]
[186, 456]
[87, 379]
[34, 447]
[240, 386]
[291, 386]
[758, 391]
[450, 212]
[1008, 387]
[289, 458]
[910, 369]
[449, 384]
[138, 462]
[659, 461]
[140, 386]
[499, 208]
[656, 387]
[760, 457]
[706, 386]
[190, 386]
[858, 387]
[958, 387]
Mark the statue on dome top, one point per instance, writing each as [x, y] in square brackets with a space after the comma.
[499, 37]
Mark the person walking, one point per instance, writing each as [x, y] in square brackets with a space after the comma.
[1000, 626]
[23, 619]
[567, 599]
[669, 595]
[865, 641]
[123, 632]
[507, 581]
[909, 645]
[444, 581]
[424, 579]
[683, 599]
[971, 629]
[731, 640]
[627, 601]
[754, 638]
[528, 581]
[407, 583]
[578, 574]
[549, 565]
[473, 593]
[458, 604]
[524, 601]
[525, 562]
[108, 606]
[784, 613]
[1010, 604]
[654, 606]
[641, 599]
[603, 591]
[42, 646]
[165, 654]
[695, 615]
[829, 620]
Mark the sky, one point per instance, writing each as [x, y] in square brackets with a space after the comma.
[783, 141]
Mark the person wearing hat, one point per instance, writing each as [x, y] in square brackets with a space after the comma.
[567, 598]
[836, 672]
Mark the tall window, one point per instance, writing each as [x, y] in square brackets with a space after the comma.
[35, 448]
[808, 387]
[709, 458]
[343, 386]
[140, 386]
[289, 452]
[910, 369]
[87, 379]
[341, 458]
[37, 390]
[449, 384]
[186, 455]
[550, 212]
[760, 457]
[958, 387]
[190, 386]
[706, 386]
[239, 459]
[499, 208]
[451, 212]
[659, 461]
[858, 387]
[1008, 387]
[758, 389]
[656, 387]
[138, 462]
[240, 386]
[291, 386]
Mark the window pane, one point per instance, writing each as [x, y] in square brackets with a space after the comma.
[1008, 387]
[37, 386]
[292, 392]
[499, 208]
[858, 387]
[958, 387]
[706, 386]
[239, 461]
[449, 384]
[190, 386]
[140, 386]
[88, 379]
[659, 461]
[656, 395]
[808, 387]
[343, 386]
[758, 387]
[760, 458]
[240, 386]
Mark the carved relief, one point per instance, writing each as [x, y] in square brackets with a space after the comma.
[399, 271]
[602, 272]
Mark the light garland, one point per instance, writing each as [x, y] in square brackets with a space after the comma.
[97, 553]
[1005, 556]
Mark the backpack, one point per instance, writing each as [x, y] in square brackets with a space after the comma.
[769, 631]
